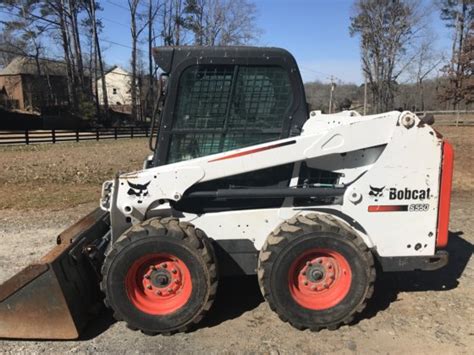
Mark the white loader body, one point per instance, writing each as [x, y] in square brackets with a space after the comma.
[389, 164]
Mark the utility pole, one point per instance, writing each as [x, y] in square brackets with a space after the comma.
[333, 85]
[365, 94]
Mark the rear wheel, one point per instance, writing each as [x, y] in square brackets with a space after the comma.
[315, 272]
[160, 276]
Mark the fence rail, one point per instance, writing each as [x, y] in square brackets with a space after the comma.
[56, 136]
[451, 118]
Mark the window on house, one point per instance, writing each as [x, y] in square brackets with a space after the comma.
[225, 107]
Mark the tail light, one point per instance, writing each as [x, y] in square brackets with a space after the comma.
[445, 194]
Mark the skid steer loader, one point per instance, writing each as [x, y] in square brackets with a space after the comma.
[244, 180]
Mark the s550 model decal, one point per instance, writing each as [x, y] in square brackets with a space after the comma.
[408, 194]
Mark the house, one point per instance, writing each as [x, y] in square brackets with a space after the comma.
[30, 84]
[118, 84]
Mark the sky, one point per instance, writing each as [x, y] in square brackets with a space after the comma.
[316, 32]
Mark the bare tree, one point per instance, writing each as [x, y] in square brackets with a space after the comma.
[221, 22]
[385, 28]
[136, 28]
[172, 22]
[73, 8]
[91, 6]
[152, 13]
[459, 15]
[458, 86]
[426, 60]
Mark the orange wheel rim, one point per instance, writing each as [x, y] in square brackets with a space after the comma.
[158, 284]
[319, 279]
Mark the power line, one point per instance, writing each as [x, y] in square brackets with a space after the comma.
[118, 5]
[327, 76]
[116, 22]
[102, 39]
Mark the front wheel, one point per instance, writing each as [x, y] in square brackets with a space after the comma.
[315, 273]
[160, 276]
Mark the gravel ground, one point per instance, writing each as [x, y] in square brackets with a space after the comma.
[418, 312]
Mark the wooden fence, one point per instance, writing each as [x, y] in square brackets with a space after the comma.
[451, 118]
[56, 136]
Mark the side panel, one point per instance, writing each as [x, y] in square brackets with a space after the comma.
[396, 201]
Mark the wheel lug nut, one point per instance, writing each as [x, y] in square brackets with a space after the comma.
[164, 265]
[313, 287]
[149, 287]
[320, 261]
[158, 293]
[147, 276]
[170, 290]
[152, 267]
[308, 263]
[174, 271]
[305, 283]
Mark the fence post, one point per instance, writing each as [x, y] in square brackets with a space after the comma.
[115, 133]
[53, 131]
[27, 137]
[77, 135]
[457, 118]
[97, 133]
[131, 133]
[146, 132]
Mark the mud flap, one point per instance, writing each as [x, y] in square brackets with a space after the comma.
[54, 298]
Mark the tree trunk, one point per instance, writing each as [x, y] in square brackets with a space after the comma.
[67, 58]
[151, 82]
[133, 29]
[77, 43]
[99, 58]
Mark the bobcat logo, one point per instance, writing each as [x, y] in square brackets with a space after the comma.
[138, 190]
[376, 192]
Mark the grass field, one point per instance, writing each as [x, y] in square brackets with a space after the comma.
[64, 175]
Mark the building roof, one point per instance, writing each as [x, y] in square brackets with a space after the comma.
[27, 65]
[117, 70]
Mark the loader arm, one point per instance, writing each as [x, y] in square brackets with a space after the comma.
[170, 182]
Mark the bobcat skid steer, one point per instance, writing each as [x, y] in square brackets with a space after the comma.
[244, 180]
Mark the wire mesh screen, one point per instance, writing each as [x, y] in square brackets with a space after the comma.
[203, 96]
[261, 97]
[224, 107]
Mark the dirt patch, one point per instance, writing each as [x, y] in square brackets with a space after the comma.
[462, 139]
[64, 175]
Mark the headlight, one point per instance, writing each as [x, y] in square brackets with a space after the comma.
[106, 197]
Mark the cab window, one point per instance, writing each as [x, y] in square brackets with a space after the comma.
[225, 107]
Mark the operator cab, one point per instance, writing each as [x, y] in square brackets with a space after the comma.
[223, 98]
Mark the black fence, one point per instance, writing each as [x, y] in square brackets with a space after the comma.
[57, 136]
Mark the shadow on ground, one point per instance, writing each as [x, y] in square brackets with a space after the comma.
[237, 295]
[388, 285]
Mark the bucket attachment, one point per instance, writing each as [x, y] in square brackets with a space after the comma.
[53, 299]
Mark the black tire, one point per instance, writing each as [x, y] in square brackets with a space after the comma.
[153, 237]
[300, 235]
